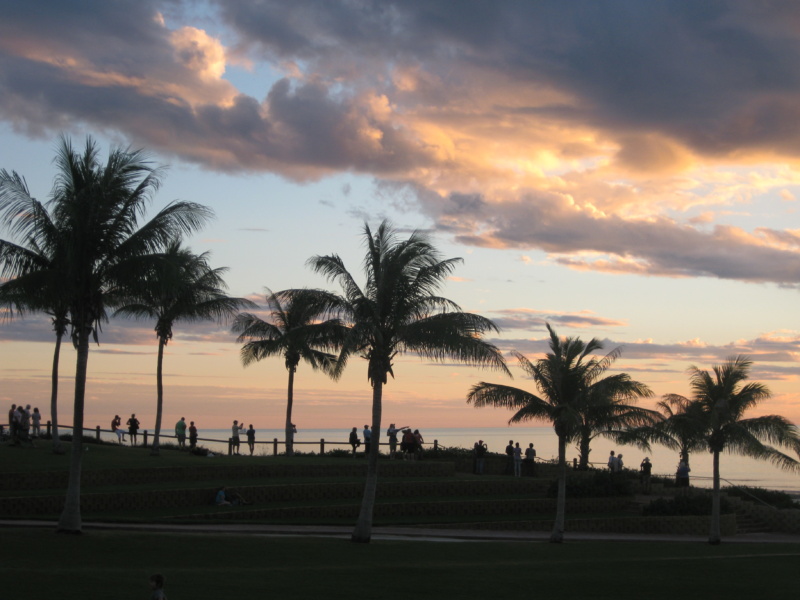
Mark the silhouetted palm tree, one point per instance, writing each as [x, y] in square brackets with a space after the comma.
[607, 410]
[97, 208]
[398, 311]
[678, 428]
[177, 286]
[722, 398]
[33, 273]
[297, 329]
[564, 377]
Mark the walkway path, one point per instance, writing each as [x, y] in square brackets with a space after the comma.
[410, 533]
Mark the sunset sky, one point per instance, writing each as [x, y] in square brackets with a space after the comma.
[624, 170]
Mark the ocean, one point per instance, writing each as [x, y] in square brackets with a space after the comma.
[734, 470]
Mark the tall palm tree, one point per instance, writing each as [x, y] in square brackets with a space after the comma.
[563, 377]
[178, 285]
[297, 329]
[398, 311]
[607, 410]
[722, 398]
[32, 272]
[97, 208]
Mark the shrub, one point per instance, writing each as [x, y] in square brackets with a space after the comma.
[684, 506]
[772, 497]
[600, 484]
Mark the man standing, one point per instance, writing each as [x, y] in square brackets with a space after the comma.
[235, 435]
[612, 463]
[133, 429]
[180, 432]
[367, 439]
[510, 458]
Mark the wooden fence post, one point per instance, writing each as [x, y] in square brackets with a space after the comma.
[274, 446]
[322, 446]
[145, 438]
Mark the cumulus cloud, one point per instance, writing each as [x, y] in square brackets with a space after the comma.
[614, 140]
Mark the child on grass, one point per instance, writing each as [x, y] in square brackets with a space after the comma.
[157, 585]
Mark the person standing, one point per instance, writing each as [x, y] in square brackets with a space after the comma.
[192, 436]
[517, 460]
[480, 456]
[180, 432]
[12, 424]
[116, 427]
[157, 585]
[235, 429]
[612, 462]
[530, 460]
[36, 419]
[354, 441]
[510, 458]
[391, 433]
[251, 439]
[133, 429]
[367, 439]
[645, 469]
[418, 441]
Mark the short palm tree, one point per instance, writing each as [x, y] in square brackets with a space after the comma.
[97, 208]
[32, 273]
[607, 410]
[722, 398]
[298, 328]
[678, 428]
[563, 378]
[399, 311]
[177, 285]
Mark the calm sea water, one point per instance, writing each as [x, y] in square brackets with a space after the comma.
[736, 470]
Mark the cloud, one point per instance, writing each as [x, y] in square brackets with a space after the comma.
[614, 140]
[524, 318]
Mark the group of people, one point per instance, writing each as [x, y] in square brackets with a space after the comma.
[410, 442]
[515, 460]
[24, 424]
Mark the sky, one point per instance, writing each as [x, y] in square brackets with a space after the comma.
[623, 170]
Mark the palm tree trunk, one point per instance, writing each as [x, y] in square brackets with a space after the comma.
[289, 401]
[70, 520]
[585, 449]
[557, 535]
[363, 531]
[154, 451]
[715, 537]
[57, 449]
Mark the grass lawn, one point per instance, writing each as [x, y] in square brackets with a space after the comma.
[42, 564]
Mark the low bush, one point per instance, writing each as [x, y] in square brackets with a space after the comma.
[600, 484]
[684, 506]
[774, 498]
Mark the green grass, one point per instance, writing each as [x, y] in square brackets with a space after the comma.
[42, 564]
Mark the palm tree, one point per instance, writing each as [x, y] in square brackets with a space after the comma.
[33, 274]
[178, 286]
[398, 311]
[678, 428]
[97, 208]
[722, 398]
[297, 330]
[564, 377]
[607, 410]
